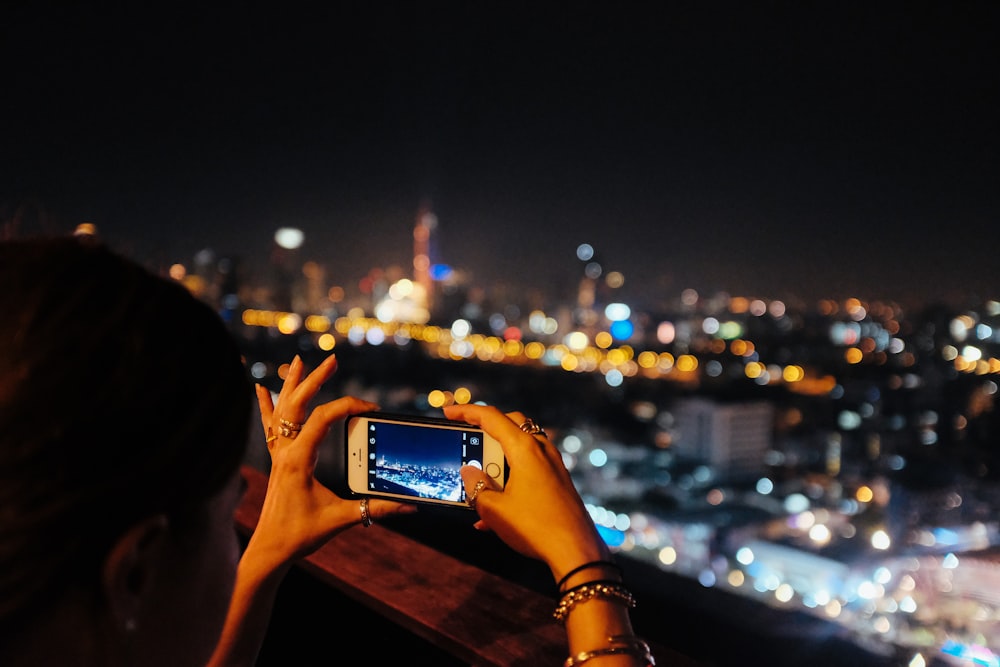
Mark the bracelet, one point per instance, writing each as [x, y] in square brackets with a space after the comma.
[587, 566]
[621, 644]
[603, 589]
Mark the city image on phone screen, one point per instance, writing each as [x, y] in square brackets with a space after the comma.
[421, 462]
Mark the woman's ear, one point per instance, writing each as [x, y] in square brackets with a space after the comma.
[130, 566]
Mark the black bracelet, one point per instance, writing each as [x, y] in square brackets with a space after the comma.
[587, 566]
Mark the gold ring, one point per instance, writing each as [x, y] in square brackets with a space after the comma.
[366, 517]
[531, 428]
[291, 426]
[480, 485]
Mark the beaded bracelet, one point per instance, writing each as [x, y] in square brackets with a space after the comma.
[586, 566]
[603, 589]
[618, 645]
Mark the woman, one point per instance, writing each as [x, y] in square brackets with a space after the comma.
[124, 416]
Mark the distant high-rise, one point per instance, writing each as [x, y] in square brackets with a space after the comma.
[422, 233]
[732, 438]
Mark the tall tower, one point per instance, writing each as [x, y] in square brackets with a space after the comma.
[422, 232]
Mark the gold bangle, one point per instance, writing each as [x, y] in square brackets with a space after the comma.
[618, 645]
[605, 590]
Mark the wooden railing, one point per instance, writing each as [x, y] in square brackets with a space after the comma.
[477, 617]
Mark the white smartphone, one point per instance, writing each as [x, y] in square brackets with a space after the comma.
[412, 458]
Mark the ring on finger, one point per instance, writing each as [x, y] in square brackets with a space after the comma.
[271, 437]
[289, 429]
[366, 517]
[531, 428]
[480, 485]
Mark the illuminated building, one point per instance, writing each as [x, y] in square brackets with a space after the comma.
[731, 438]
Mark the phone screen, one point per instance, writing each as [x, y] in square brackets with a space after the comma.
[421, 462]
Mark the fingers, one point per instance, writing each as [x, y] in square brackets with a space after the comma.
[291, 381]
[265, 403]
[287, 417]
[477, 483]
[487, 416]
[515, 442]
[296, 391]
[478, 486]
[325, 414]
[379, 508]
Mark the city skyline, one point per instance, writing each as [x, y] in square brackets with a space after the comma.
[768, 151]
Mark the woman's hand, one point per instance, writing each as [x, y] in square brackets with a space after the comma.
[539, 512]
[300, 514]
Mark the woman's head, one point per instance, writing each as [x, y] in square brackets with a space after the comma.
[122, 396]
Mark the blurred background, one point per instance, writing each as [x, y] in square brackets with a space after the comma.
[738, 259]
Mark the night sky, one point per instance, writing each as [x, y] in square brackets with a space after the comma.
[766, 149]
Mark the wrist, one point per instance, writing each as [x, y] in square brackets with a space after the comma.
[567, 562]
[263, 559]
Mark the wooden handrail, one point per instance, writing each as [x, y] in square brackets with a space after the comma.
[480, 618]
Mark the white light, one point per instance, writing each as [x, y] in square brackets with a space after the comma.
[795, 503]
[668, 555]
[401, 289]
[784, 593]
[869, 590]
[289, 238]
[820, 534]
[572, 443]
[576, 341]
[375, 336]
[972, 353]
[617, 312]
[461, 328]
[881, 540]
[598, 458]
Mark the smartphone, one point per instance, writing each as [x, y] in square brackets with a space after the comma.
[414, 458]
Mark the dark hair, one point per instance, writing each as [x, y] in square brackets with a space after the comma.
[122, 395]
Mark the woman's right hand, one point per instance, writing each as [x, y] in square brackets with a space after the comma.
[539, 512]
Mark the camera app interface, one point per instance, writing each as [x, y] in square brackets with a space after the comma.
[419, 461]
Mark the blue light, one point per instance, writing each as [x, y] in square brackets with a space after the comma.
[622, 329]
[440, 271]
[945, 536]
[611, 537]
